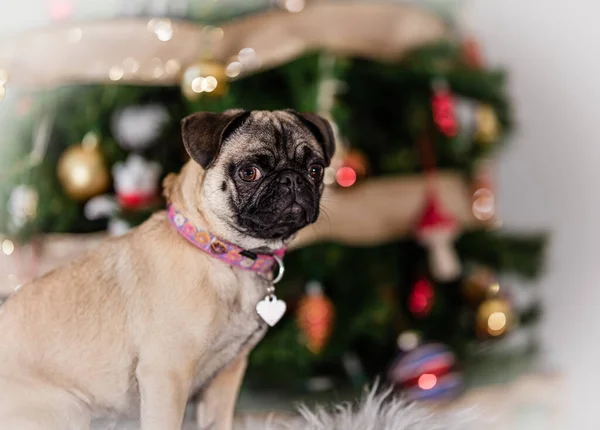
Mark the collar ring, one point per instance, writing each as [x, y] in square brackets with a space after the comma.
[280, 269]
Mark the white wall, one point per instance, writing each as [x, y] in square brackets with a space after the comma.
[550, 175]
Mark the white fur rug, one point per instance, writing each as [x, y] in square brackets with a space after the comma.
[373, 412]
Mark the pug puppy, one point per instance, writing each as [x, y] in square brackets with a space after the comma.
[146, 319]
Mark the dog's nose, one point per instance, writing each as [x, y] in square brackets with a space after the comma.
[290, 179]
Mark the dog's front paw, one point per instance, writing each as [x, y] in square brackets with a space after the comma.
[204, 420]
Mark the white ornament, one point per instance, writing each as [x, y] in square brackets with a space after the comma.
[271, 309]
[138, 127]
[408, 340]
[465, 112]
[103, 206]
[136, 176]
[443, 261]
[22, 204]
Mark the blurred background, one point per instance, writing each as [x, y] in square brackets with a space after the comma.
[451, 258]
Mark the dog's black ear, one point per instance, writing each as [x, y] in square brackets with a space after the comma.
[204, 132]
[321, 129]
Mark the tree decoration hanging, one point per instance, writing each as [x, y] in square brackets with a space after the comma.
[315, 317]
[427, 372]
[136, 128]
[437, 231]
[443, 108]
[466, 117]
[494, 317]
[479, 284]
[471, 53]
[435, 228]
[136, 183]
[421, 298]
[82, 170]
[204, 77]
[488, 126]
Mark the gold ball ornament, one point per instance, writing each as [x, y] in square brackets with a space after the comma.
[204, 77]
[494, 318]
[82, 169]
[480, 284]
[488, 128]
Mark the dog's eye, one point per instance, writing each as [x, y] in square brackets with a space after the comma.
[249, 173]
[315, 171]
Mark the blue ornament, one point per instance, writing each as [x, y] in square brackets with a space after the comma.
[428, 372]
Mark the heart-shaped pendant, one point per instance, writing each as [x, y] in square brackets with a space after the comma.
[271, 309]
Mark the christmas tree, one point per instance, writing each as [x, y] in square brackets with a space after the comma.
[407, 261]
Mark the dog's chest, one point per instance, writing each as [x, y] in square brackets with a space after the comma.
[240, 328]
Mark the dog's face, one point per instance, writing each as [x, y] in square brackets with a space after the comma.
[263, 171]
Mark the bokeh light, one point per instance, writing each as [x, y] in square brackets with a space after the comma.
[408, 340]
[116, 73]
[496, 323]
[293, 5]
[345, 176]
[483, 204]
[8, 247]
[427, 381]
[234, 69]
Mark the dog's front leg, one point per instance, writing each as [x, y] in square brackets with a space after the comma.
[163, 395]
[217, 407]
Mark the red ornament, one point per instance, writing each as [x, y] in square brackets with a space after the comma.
[315, 317]
[444, 110]
[471, 53]
[356, 161]
[437, 230]
[421, 298]
[428, 372]
[136, 201]
[345, 176]
[136, 182]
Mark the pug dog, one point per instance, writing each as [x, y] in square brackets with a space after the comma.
[146, 319]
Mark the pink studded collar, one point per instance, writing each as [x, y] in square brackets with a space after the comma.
[225, 251]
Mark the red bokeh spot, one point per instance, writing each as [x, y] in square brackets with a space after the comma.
[444, 113]
[427, 381]
[421, 297]
[345, 176]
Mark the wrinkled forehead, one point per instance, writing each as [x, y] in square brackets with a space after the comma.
[279, 132]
